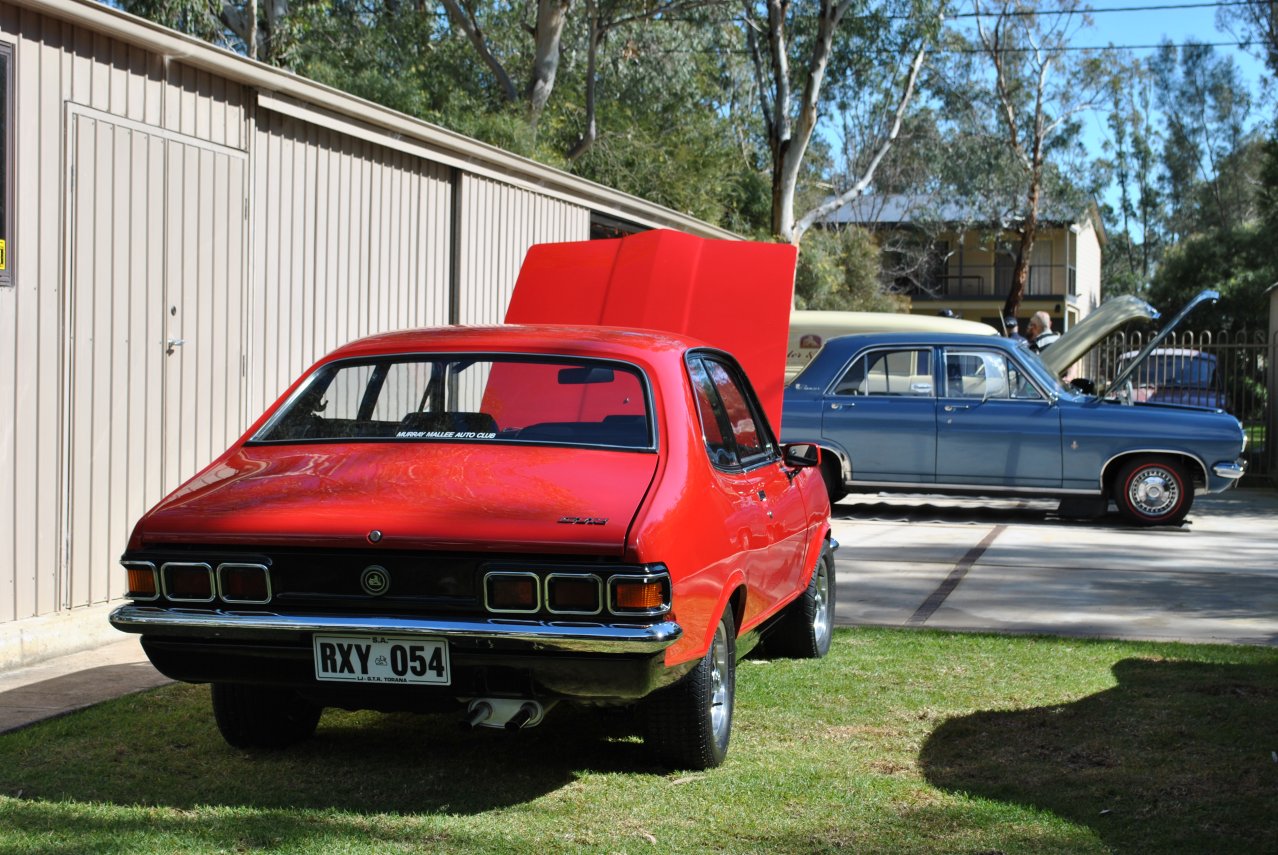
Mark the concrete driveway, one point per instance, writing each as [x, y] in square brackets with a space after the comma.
[1014, 566]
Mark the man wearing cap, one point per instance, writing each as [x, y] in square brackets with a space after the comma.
[1009, 323]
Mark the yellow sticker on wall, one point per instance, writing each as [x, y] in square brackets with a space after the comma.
[3, 255]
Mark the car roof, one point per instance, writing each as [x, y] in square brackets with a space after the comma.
[576, 340]
[857, 340]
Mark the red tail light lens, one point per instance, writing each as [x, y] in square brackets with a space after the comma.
[512, 593]
[188, 582]
[574, 594]
[244, 583]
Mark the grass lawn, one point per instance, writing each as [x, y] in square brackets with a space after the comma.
[900, 741]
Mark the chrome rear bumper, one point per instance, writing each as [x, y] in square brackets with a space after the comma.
[579, 637]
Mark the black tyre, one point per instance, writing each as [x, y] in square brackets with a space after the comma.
[252, 716]
[832, 474]
[688, 725]
[1153, 491]
[807, 626]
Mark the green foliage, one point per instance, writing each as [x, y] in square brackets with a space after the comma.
[1238, 262]
[197, 18]
[840, 269]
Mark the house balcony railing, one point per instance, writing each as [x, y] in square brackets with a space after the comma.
[1045, 280]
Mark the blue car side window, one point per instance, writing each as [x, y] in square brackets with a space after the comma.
[889, 372]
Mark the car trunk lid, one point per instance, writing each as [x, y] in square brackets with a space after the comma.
[464, 496]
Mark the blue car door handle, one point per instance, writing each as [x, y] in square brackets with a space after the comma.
[950, 408]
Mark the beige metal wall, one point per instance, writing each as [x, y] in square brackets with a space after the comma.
[57, 65]
[350, 238]
[497, 223]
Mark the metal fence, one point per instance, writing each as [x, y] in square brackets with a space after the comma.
[1235, 371]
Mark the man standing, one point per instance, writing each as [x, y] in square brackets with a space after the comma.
[1040, 331]
[1009, 324]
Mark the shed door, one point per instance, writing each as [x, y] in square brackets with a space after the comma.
[155, 237]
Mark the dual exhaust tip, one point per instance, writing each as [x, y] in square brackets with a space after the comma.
[508, 713]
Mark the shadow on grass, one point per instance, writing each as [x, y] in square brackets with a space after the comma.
[1150, 765]
[161, 748]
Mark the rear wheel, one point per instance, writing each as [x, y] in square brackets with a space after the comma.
[688, 725]
[806, 628]
[1153, 491]
[251, 716]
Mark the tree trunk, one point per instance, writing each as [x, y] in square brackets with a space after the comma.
[1020, 272]
[551, 17]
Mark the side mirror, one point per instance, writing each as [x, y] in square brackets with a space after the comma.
[801, 454]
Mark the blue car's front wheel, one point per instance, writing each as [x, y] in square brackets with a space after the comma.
[1153, 491]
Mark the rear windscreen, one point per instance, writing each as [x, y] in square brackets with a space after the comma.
[468, 399]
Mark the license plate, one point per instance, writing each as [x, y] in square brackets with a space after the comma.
[381, 659]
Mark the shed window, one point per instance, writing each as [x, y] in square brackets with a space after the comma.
[6, 164]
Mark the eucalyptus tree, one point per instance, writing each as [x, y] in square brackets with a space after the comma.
[1207, 111]
[1023, 91]
[814, 59]
[1137, 233]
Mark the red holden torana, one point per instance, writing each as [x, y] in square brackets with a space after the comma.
[497, 519]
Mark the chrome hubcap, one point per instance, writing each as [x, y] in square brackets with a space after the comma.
[1154, 491]
[823, 617]
[720, 702]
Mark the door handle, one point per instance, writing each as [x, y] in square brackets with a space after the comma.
[174, 343]
[841, 406]
[950, 408]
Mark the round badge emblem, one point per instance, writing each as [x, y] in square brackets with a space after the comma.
[375, 581]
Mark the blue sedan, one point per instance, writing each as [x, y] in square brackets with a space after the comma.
[979, 415]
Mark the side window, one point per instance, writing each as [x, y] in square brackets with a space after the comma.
[889, 372]
[730, 420]
[985, 374]
[714, 421]
[6, 164]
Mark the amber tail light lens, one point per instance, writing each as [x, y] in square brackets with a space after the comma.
[640, 595]
[142, 582]
[512, 592]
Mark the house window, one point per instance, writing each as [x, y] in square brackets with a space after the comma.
[6, 164]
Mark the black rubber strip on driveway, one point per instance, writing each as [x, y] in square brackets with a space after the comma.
[943, 590]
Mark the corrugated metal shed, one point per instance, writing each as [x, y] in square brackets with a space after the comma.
[191, 229]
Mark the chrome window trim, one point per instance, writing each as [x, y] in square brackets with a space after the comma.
[599, 593]
[828, 392]
[266, 573]
[645, 577]
[164, 581]
[155, 580]
[1044, 396]
[509, 573]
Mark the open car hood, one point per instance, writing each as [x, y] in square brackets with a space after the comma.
[1203, 297]
[733, 295]
[417, 494]
[1076, 342]
[1091, 330]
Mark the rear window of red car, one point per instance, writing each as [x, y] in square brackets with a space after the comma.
[457, 398]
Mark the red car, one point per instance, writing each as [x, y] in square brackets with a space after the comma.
[494, 519]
